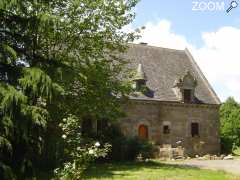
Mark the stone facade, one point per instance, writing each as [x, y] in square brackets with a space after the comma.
[173, 104]
[179, 117]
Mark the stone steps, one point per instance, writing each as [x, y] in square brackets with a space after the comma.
[169, 152]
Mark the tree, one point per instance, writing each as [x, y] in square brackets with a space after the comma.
[230, 124]
[48, 49]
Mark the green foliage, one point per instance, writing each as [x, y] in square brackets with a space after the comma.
[38, 83]
[6, 172]
[230, 124]
[126, 148]
[236, 151]
[131, 148]
[79, 153]
[10, 99]
[56, 58]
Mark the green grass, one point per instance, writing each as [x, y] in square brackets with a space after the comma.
[152, 171]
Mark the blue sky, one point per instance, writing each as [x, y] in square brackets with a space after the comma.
[210, 34]
[186, 21]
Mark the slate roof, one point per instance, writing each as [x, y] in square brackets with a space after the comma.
[163, 67]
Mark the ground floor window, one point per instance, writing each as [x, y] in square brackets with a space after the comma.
[195, 129]
[143, 131]
[166, 129]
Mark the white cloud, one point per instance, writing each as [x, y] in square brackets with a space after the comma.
[160, 34]
[219, 57]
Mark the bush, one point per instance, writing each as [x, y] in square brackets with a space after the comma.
[226, 145]
[127, 148]
[133, 147]
[230, 125]
[236, 151]
[79, 152]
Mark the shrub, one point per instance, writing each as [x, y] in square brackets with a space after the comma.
[230, 125]
[79, 152]
[123, 148]
[226, 145]
[236, 151]
[135, 147]
[128, 148]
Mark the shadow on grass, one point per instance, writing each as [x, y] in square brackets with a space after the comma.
[122, 169]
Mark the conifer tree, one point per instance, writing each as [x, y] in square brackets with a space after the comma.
[48, 49]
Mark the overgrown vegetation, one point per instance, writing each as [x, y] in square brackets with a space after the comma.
[57, 58]
[230, 125]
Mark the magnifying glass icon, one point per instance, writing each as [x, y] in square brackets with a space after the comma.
[233, 4]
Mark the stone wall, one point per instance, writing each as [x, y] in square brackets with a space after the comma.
[178, 116]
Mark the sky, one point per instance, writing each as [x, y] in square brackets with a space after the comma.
[204, 27]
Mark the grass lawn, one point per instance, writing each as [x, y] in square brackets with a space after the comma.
[152, 171]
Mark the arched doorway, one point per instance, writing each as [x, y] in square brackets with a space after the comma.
[143, 131]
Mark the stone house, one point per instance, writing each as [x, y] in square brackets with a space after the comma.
[174, 104]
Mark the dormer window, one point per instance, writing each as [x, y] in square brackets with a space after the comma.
[139, 85]
[184, 88]
[139, 78]
[187, 95]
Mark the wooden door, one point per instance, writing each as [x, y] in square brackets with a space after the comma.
[143, 132]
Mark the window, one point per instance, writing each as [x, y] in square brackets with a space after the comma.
[140, 84]
[187, 95]
[195, 129]
[143, 132]
[166, 129]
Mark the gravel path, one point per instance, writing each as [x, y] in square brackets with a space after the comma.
[231, 166]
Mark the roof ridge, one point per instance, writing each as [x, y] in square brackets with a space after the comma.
[195, 65]
[157, 47]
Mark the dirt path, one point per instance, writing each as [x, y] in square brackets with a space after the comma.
[231, 166]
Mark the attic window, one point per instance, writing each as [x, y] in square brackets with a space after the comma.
[139, 78]
[140, 84]
[187, 94]
[185, 87]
